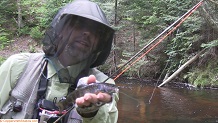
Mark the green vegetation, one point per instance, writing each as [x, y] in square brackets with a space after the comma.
[205, 76]
[4, 39]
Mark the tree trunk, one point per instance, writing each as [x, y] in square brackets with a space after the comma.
[209, 12]
[114, 49]
[134, 36]
[182, 68]
[19, 19]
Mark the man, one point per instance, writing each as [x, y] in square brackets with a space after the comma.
[78, 39]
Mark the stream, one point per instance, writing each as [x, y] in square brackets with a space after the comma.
[169, 104]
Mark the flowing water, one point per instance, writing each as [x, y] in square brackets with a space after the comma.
[170, 104]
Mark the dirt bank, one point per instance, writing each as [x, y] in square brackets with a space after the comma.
[19, 45]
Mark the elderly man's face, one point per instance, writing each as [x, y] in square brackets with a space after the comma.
[83, 41]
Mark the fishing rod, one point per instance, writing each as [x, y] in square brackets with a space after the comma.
[177, 23]
[172, 28]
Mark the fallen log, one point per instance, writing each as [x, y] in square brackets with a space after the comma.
[182, 68]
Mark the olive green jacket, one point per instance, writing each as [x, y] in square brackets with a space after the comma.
[13, 67]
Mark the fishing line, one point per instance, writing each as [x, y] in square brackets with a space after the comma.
[199, 4]
[152, 41]
[152, 94]
[172, 30]
[71, 108]
[179, 21]
[130, 97]
[183, 18]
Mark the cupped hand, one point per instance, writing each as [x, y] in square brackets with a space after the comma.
[90, 98]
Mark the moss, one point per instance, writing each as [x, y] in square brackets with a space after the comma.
[206, 76]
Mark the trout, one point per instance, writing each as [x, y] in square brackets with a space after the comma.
[83, 89]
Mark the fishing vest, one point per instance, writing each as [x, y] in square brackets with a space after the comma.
[24, 94]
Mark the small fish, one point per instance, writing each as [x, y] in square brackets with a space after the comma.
[83, 89]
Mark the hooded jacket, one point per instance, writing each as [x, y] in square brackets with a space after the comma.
[14, 67]
[81, 8]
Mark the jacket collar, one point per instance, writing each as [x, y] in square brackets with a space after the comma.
[54, 66]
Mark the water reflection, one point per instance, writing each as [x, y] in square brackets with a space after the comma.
[168, 104]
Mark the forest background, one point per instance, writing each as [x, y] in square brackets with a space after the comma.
[136, 22]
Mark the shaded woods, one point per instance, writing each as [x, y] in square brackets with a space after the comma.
[137, 22]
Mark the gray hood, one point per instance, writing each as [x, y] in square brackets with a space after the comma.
[82, 8]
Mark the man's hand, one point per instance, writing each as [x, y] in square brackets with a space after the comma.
[90, 98]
